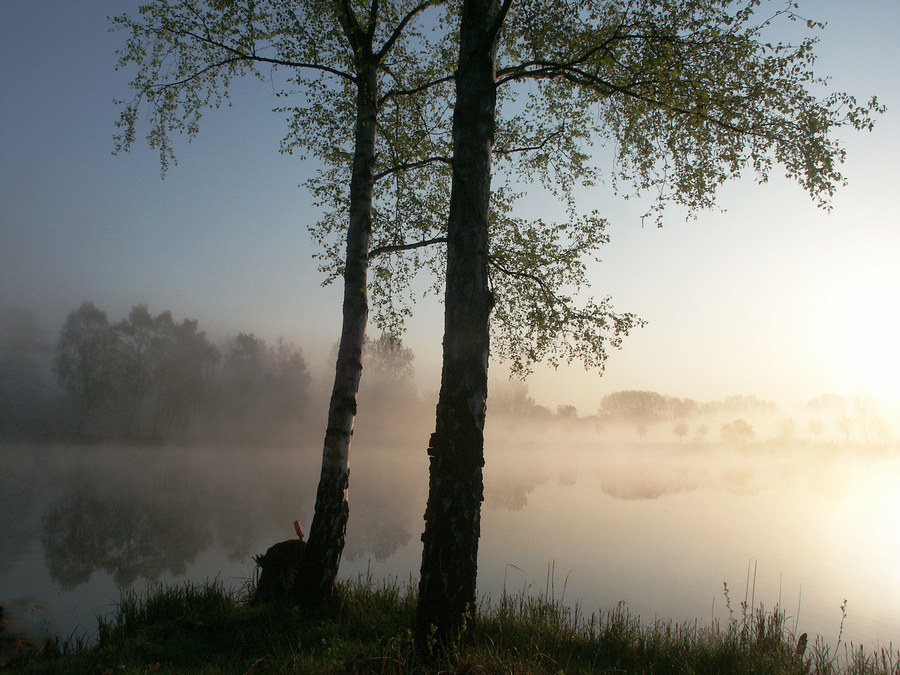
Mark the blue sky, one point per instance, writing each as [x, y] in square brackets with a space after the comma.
[773, 297]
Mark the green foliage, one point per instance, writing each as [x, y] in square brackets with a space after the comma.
[188, 54]
[687, 94]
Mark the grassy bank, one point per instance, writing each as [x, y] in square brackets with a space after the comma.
[207, 629]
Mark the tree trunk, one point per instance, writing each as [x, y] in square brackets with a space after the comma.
[456, 449]
[329, 526]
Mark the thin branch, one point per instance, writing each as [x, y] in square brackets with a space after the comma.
[243, 56]
[168, 85]
[406, 166]
[512, 73]
[582, 78]
[393, 93]
[529, 148]
[566, 71]
[395, 248]
[395, 35]
[548, 293]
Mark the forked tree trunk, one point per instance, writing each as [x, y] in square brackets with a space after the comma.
[456, 450]
[329, 526]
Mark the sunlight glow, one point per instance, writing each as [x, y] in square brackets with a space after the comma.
[867, 340]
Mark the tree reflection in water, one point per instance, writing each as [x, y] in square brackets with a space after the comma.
[152, 514]
[126, 533]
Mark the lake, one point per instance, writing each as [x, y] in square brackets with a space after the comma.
[593, 522]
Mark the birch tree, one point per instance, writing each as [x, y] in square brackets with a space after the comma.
[456, 448]
[689, 94]
[344, 64]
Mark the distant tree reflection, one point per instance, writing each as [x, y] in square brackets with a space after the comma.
[133, 513]
[382, 505]
[126, 534]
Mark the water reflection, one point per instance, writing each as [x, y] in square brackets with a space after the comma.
[19, 510]
[122, 530]
[145, 514]
[660, 528]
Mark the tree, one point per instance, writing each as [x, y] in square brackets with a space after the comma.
[787, 429]
[690, 94]
[184, 360]
[845, 424]
[389, 359]
[634, 406]
[680, 430]
[816, 427]
[84, 359]
[242, 380]
[289, 382]
[262, 388]
[737, 431]
[161, 370]
[567, 412]
[512, 398]
[456, 448]
[866, 412]
[388, 393]
[187, 54]
[700, 432]
[136, 336]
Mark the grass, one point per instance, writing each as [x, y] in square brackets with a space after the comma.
[209, 629]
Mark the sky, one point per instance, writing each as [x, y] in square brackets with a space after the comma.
[770, 296]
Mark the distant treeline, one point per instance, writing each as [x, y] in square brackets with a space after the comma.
[627, 406]
[736, 419]
[154, 379]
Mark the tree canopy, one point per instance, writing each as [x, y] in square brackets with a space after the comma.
[187, 55]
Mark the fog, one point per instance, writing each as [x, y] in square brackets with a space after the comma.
[650, 499]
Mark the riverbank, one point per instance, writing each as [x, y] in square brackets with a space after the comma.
[208, 629]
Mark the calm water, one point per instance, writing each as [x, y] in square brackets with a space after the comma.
[660, 528]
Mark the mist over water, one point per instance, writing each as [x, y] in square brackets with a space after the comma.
[654, 501]
[572, 510]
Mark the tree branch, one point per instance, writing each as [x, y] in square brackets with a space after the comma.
[406, 166]
[548, 293]
[528, 148]
[349, 24]
[393, 93]
[395, 35]
[373, 21]
[396, 248]
[239, 55]
[177, 83]
[547, 70]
